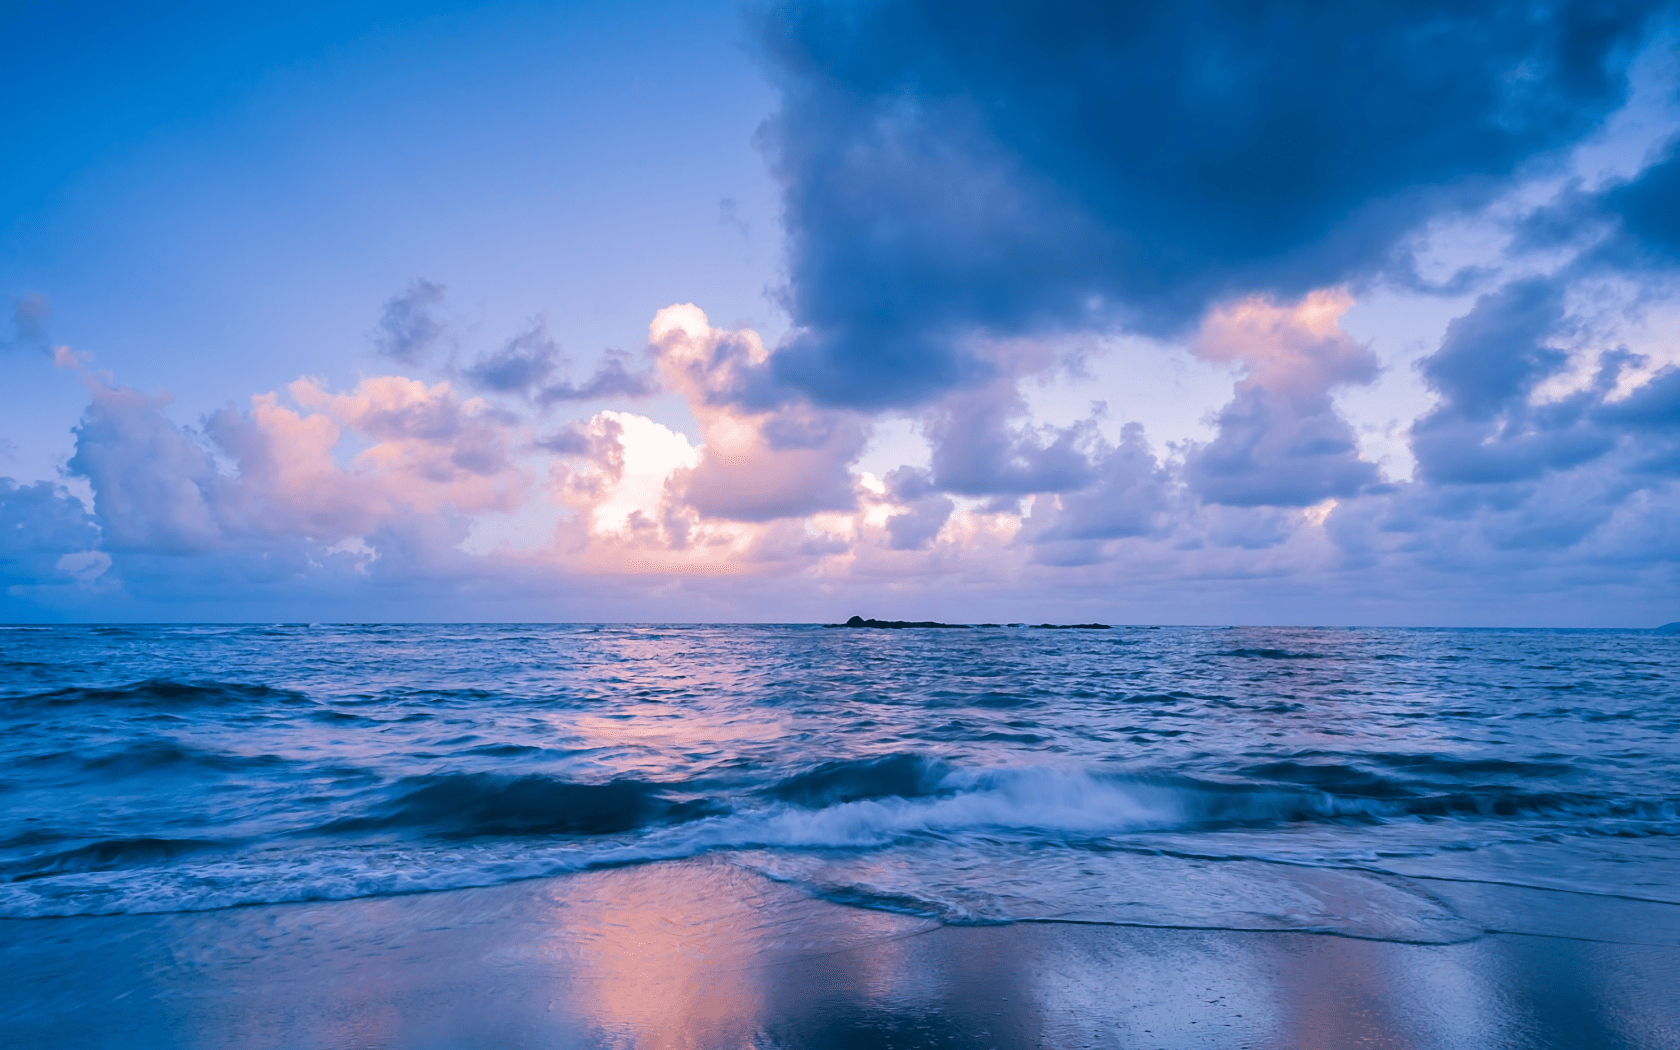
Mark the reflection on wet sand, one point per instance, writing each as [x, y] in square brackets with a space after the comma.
[682, 955]
[702, 954]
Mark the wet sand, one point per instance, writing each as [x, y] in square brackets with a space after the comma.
[703, 954]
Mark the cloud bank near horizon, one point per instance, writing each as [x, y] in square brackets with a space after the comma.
[964, 228]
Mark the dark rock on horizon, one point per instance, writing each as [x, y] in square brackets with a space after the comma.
[898, 625]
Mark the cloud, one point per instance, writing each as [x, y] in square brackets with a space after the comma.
[155, 487]
[46, 537]
[755, 466]
[441, 447]
[1520, 479]
[624, 488]
[994, 169]
[159, 488]
[1486, 428]
[29, 324]
[982, 447]
[1550, 461]
[524, 362]
[308, 490]
[612, 378]
[1647, 420]
[409, 328]
[729, 214]
[527, 363]
[1650, 227]
[925, 513]
[1281, 441]
[1132, 495]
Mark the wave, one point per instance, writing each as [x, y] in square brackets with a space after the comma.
[103, 856]
[900, 775]
[860, 803]
[146, 756]
[888, 799]
[149, 755]
[1446, 765]
[533, 826]
[162, 693]
[476, 805]
[1445, 786]
[1433, 767]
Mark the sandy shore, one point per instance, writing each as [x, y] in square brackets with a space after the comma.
[702, 954]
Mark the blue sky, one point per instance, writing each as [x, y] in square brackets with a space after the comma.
[1199, 313]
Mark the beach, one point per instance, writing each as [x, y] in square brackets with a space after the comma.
[701, 953]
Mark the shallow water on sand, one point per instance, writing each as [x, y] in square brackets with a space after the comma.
[1272, 779]
[702, 953]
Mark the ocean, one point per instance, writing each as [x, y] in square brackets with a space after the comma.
[1323, 780]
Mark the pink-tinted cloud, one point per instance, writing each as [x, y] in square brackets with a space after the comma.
[1281, 440]
[288, 471]
[789, 461]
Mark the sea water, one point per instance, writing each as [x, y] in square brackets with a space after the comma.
[1228, 778]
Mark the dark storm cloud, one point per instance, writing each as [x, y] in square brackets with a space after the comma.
[1631, 226]
[408, 327]
[1649, 209]
[988, 168]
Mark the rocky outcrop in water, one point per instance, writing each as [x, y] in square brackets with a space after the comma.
[898, 625]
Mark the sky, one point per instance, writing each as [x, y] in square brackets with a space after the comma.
[1207, 312]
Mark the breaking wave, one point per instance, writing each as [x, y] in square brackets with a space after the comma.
[531, 826]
